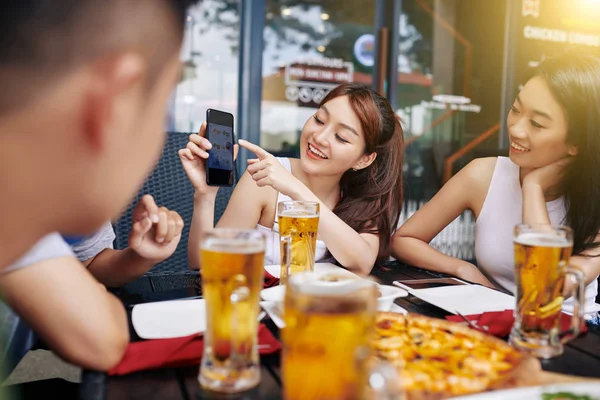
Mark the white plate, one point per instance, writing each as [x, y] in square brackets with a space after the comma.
[273, 294]
[276, 294]
[272, 310]
[276, 316]
[460, 298]
[535, 393]
[275, 270]
[169, 319]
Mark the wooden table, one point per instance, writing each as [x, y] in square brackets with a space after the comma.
[581, 356]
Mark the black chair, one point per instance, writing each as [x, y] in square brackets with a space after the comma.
[170, 187]
[221, 201]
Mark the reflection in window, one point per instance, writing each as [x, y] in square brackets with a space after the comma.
[209, 64]
[310, 47]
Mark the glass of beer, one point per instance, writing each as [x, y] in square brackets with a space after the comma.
[232, 269]
[298, 225]
[542, 254]
[327, 340]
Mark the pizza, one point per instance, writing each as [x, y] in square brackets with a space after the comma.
[436, 359]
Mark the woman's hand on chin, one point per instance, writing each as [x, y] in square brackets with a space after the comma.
[549, 177]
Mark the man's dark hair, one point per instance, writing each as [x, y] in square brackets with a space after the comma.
[39, 39]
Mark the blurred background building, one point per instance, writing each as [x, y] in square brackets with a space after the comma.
[451, 68]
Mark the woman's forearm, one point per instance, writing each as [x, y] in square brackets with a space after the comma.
[202, 222]
[418, 253]
[534, 205]
[346, 245]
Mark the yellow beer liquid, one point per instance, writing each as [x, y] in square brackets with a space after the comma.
[228, 265]
[540, 262]
[320, 342]
[302, 227]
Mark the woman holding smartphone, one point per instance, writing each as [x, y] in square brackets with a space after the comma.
[350, 162]
[551, 177]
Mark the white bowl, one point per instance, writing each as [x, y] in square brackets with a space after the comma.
[388, 295]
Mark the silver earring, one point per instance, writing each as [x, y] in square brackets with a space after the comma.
[354, 169]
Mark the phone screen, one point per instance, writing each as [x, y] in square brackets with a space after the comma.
[221, 138]
[220, 164]
[430, 283]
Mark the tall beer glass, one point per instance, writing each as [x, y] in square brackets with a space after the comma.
[542, 254]
[298, 226]
[327, 340]
[232, 262]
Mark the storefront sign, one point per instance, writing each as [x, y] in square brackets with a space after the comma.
[550, 27]
[560, 36]
[364, 49]
[451, 106]
[451, 99]
[531, 7]
[308, 82]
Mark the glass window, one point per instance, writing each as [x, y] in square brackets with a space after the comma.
[310, 47]
[449, 84]
[209, 77]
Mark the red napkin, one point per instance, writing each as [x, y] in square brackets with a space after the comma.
[500, 323]
[270, 280]
[177, 352]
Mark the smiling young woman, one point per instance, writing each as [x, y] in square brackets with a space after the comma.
[350, 162]
[552, 176]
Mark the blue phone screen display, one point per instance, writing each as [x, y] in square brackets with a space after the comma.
[220, 156]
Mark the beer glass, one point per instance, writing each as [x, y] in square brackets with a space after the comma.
[327, 340]
[542, 254]
[298, 225]
[232, 269]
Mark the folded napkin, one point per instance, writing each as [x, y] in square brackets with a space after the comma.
[177, 352]
[500, 323]
[270, 280]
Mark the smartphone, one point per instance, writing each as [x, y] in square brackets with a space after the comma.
[416, 284]
[220, 164]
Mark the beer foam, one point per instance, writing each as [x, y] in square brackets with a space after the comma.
[233, 246]
[542, 239]
[327, 283]
[298, 214]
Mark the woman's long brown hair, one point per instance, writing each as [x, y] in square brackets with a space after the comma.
[371, 198]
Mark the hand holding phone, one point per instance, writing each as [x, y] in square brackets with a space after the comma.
[193, 158]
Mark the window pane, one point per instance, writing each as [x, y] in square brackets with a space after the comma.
[209, 77]
[310, 47]
[449, 84]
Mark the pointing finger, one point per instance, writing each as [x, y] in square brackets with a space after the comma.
[148, 205]
[259, 151]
